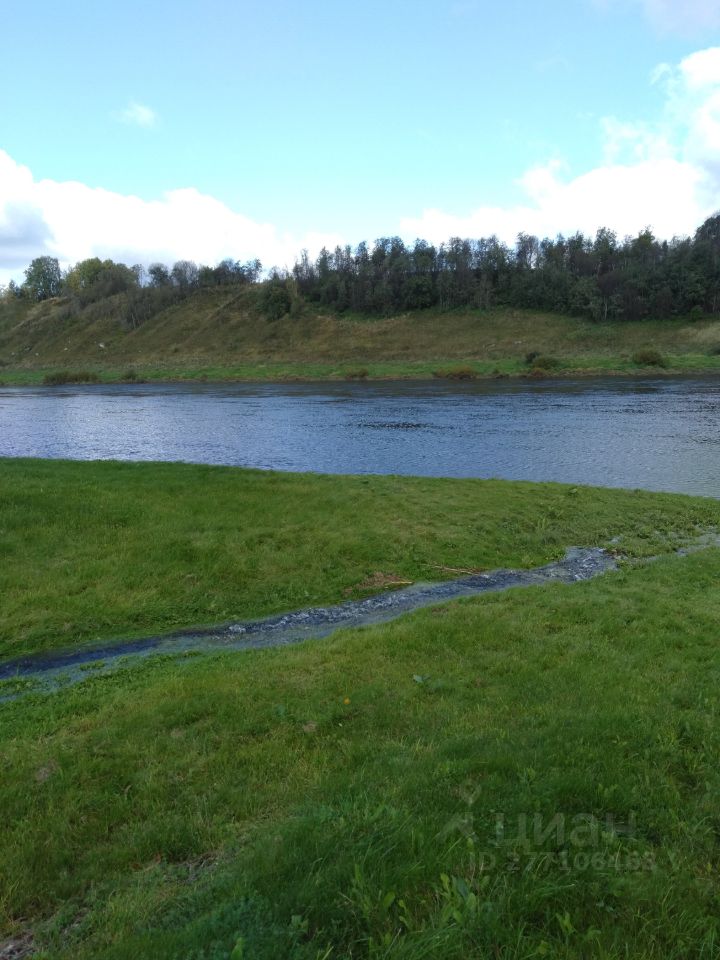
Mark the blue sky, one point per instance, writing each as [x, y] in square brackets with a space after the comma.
[245, 128]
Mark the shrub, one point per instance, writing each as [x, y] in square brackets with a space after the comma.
[697, 312]
[60, 377]
[542, 362]
[456, 373]
[130, 375]
[275, 299]
[648, 358]
[531, 357]
[361, 374]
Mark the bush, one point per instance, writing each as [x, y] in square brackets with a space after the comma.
[456, 373]
[531, 357]
[361, 374]
[697, 312]
[60, 377]
[130, 376]
[648, 358]
[275, 299]
[542, 362]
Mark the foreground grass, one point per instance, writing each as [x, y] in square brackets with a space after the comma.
[528, 774]
[531, 774]
[89, 551]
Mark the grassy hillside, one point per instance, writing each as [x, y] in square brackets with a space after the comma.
[529, 774]
[217, 334]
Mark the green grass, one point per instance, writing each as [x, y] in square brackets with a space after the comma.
[216, 337]
[273, 372]
[528, 774]
[182, 807]
[95, 550]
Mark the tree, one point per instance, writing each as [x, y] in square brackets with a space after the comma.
[707, 256]
[43, 278]
[230, 271]
[275, 298]
[604, 249]
[159, 275]
[185, 275]
[527, 251]
[95, 279]
[140, 274]
[251, 270]
[84, 274]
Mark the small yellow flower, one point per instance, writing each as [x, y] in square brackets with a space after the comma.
[346, 700]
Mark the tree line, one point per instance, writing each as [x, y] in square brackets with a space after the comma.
[141, 292]
[601, 277]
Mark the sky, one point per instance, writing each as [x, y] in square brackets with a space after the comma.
[188, 130]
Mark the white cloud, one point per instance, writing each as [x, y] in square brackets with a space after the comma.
[633, 141]
[626, 198]
[139, 115]
[683, 15]
[702, 69]
[672, 16]
[665, 175]
[692, 117]
[72, 221]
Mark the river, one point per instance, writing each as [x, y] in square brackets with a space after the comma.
[657, 434]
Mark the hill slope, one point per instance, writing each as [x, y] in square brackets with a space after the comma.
[223, 333]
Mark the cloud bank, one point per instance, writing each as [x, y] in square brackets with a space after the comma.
[665, 175]
[72, 221]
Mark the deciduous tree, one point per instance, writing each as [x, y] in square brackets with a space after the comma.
[43, 278]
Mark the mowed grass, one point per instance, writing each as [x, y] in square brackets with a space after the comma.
[528, 774]
[96, 550]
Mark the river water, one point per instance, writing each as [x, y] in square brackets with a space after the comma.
[657, 434]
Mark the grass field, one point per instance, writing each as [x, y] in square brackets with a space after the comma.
[94, 550]
[214, 336]
[528, 774]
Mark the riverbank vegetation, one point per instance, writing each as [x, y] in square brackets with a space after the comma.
[209, 338]
[529, 774]
[592, 304]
